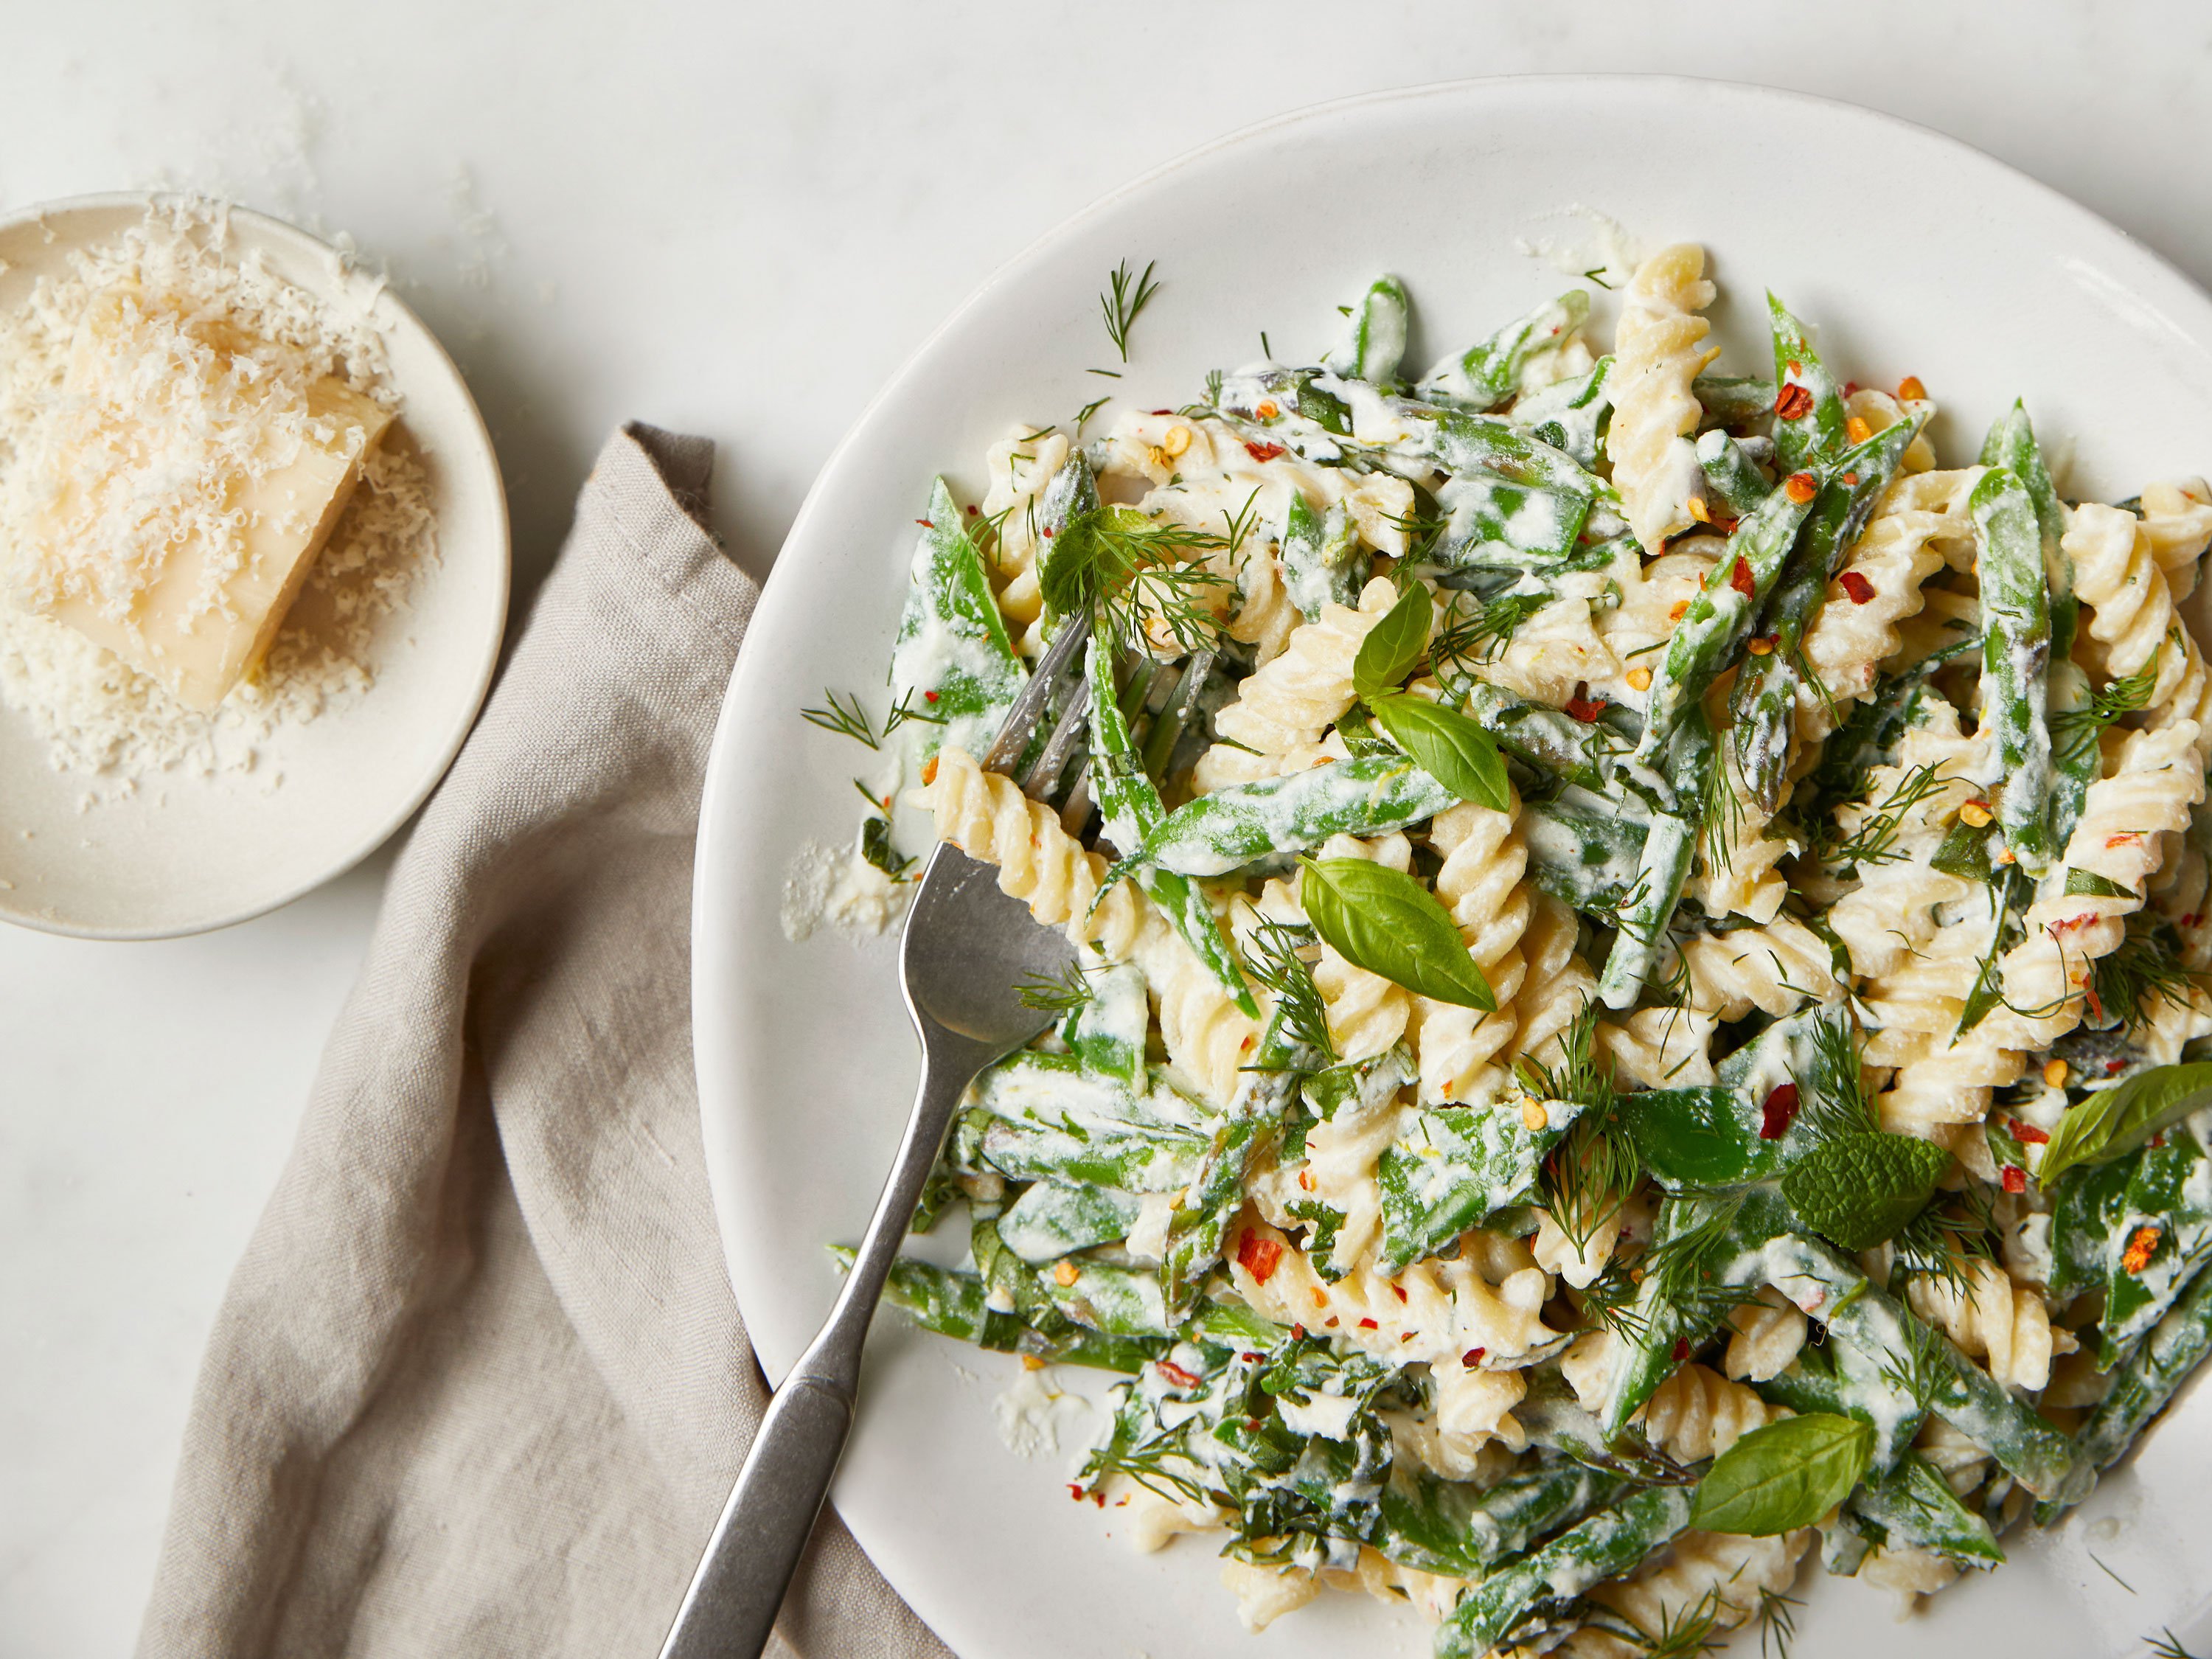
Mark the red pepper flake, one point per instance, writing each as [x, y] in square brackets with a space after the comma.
[1850, 478]
[1297, 1330]
[929, 697]
[1258, 1256]
[1369, 1325]
[1262, 452]
[1910, 391]
[1860, 589]
[2158, 1139]
[2140, 1250]
[1585, 710]
[1780, 1111]
[1099, 1499]
[1681, 1349]
[2097, 1013]
[2028, 1135]
[1049, 533]
[1176, 1374]
[973, 511]
[1472, 1357]
[2191, 919]
[924, 523]
[1159, 412]
[1850, 388]
[1075, 1492]
[1801, 487]
[1740, 578]
[2114, 1068]
[1793, 403]
[1250, 1358]
[1399, 1291]
[2015, 1178]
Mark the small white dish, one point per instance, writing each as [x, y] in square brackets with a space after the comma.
[1915, 254]
[182, 854]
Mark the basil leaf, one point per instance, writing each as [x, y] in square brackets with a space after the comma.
[1394, 645]
[1858, 1190]
[2117, 1120]
[1450, 748]
[1389, 924]
[2088, 884]
[1783, 1476]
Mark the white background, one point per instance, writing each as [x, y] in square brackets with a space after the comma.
[737, 220]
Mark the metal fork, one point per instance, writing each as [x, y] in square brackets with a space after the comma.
[966, 950]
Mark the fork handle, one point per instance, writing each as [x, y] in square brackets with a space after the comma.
[730, 1607]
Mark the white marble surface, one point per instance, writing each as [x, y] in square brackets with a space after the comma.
[735, 219]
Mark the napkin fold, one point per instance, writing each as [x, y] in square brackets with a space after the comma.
[479, 1386]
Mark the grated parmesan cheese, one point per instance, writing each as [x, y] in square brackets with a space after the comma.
[232, 372]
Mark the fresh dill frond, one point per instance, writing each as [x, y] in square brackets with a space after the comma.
[1778, 1621]
[1276, 958]
[1124, 301]
[2144, 971]
[1594, 1170]
[1083, 414]
[1214, 378]
[1833, 1092]
[903, 710]
[845, 718]
[1922, 1368]
[2075, 731]
[2167, 1645]
[1143, 576]
[1686, 1633]
[1422, 532]
[1478, 635]
[1874, 841]
[1059, 994]
[1242, 521]
[1945, 1240]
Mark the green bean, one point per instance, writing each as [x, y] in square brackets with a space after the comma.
[1607, 1545]
[1231, 828]
[1495, 524]
[1720, 618]
[1803, 381]
[1582, 849]
[2085, 1216]
[1107, 1032]
[1055, 1218]
[1913, 1507]
[1490, 371]
[1734, 401]
[1460, 1530]
[2011, 445]
[1130, 803]
[1961, 1393]
[1838, 1378]
[1734, 476]
[954, 1304]
[1375, 341]
[2015, 654]
[1550, 741]
[1664, 867]
[967, 690]
[1763, 700]
[1456, 1166]
[2141, 1387]
[1321, 564]
[1567, 413]
[2169, 1194]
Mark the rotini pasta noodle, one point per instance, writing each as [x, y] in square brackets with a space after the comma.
[1659, 351]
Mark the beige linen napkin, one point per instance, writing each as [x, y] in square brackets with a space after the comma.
[479, 1386]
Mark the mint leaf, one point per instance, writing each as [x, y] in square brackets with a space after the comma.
[1393, 646]
[2114, 1122]
[1450, 747]
[1388, 923]
[1859, 1190]
[1783, 1476]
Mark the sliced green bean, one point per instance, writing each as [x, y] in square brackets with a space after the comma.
[1734, 476]
[1733, 402]
[1607, 1545]
[1462, 1530]
[1456, 1166]
[1320, 557]
[1375, 341]
[1130, 803]
[2168, 1201]
[953, 660]
[2011, 445]
[1913, 1507]
[2015, 656]
[1231, 828]
[1664, 867]
[1490, 371]
[1804, 385]
[1840, 1379]
[1569, 415]
[1055, 1218]
[2141, 1387]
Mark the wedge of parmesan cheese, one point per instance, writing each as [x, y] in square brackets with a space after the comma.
[191, 492]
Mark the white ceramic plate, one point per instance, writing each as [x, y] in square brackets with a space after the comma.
[1915, 254]
[184, 854]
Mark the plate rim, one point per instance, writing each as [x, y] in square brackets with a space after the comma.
[478, 434]
[719, 1089]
